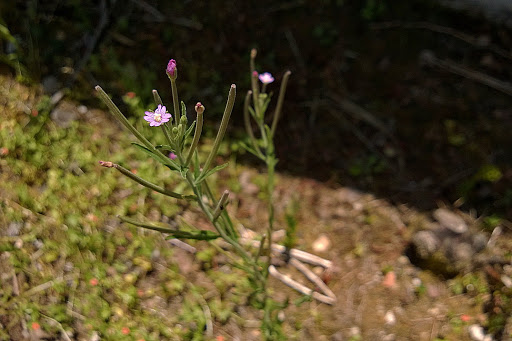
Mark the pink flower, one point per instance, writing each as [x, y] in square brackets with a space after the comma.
[172, 156]
[171, 69]
[266, 78]
[159, 117]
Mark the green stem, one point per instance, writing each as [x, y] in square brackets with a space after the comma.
[222, 129]
[175, 102]
[238, 248]
[221, 205]
[280, 99]
[248, 128]
[255, 93]
[195, 140]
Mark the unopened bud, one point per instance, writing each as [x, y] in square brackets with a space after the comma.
[253, 53]
[175, 131]
[172, 70]
[199, 108]
[183, 120]
[107, 164]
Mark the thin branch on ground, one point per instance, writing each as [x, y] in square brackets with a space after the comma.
[430, 59]
[444, 30]
[313, 278]
[299, 287]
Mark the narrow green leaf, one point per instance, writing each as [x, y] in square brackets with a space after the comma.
[198, 235]
[164, 147]
[189, 130]
[168, 163]
[210, 172]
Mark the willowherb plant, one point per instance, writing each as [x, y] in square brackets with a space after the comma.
[180, 155]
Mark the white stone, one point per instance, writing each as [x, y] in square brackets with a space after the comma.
[476, 332]
[321, 244]
[416, 282]
[390, 318]
[507, 281]
[450, 220]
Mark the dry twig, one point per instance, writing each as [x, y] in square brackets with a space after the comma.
[299, 287]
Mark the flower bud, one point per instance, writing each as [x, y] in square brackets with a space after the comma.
[253, 53]
[199, 108]
[183, 120]
[107, 164]
[172, 70]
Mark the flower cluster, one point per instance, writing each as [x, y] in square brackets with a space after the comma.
[158, 117]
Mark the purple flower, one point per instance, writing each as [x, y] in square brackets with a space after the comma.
[171, 69]
[158, 117]
[266, 78]
[172, 156]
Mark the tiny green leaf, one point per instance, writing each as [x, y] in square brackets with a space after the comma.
[210, 172]
[168, 163]
[198, 235]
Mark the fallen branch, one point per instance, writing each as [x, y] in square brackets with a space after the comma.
[444, 30]
[294, 253]
[299, 287]
[430, 59]
[313, 278]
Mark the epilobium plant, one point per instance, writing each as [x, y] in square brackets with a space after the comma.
[180, 155]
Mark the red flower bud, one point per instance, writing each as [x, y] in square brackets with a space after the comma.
[199, 108]
[172, 70]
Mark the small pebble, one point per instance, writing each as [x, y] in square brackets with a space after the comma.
[450, 220]
[389, 280]
[354, 331]
[321, 244]
[416, 282]
[281, 316]
[506, 281]
[476, 332]
[82, 109]
[38, 244]
[390, 318]
[14, 229]
[18, 243]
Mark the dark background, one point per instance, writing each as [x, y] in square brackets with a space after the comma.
[363, 109]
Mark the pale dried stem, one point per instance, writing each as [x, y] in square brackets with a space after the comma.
[294, 253]
[313, 278]
[299, 287]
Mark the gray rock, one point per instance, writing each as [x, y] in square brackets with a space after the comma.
[63, 115]
[450, 220]
[50, 84]
[462, 252]
[338, 336]
[14, 229]
[426, 243]
[479, 242]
